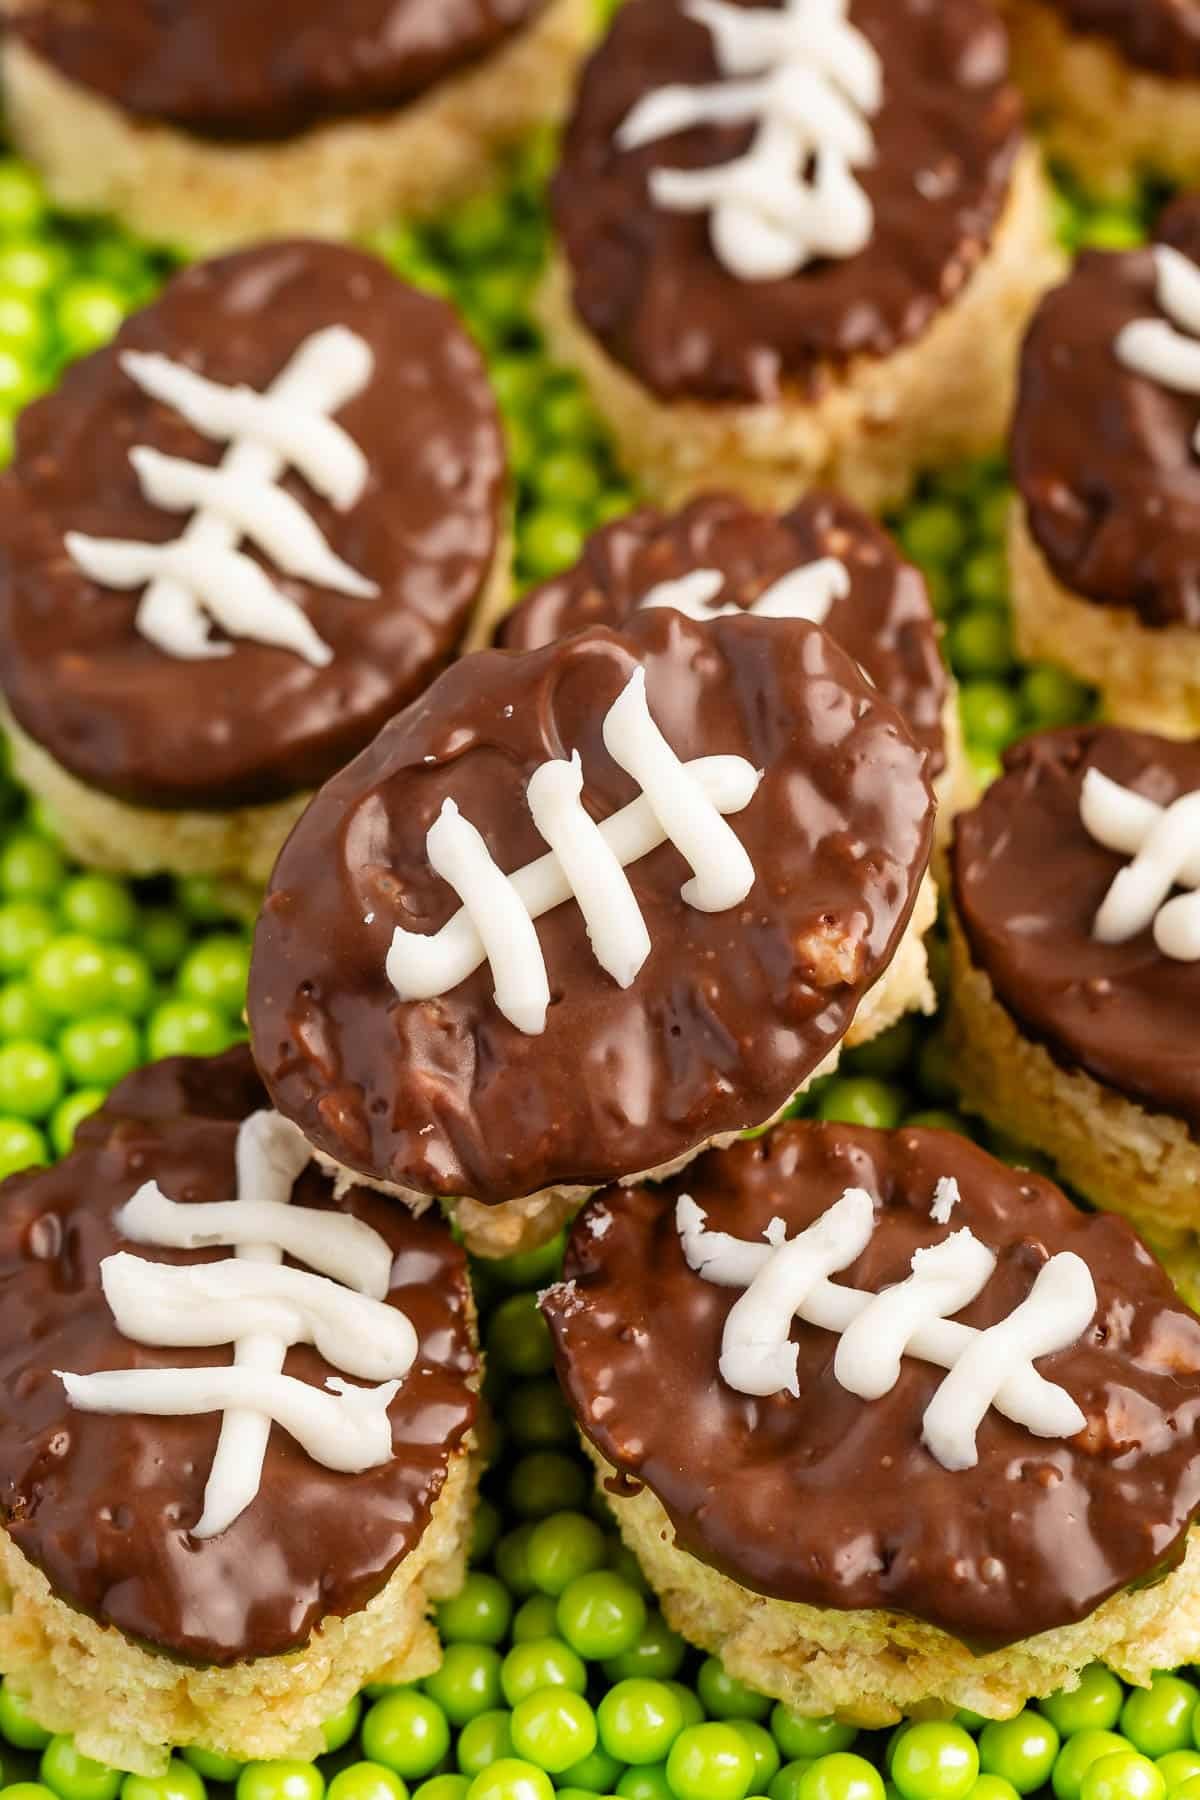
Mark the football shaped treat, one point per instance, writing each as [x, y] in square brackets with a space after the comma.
[891, 1426]
[209, 1363]
[582, 910]
[233, 543]
[798, 242]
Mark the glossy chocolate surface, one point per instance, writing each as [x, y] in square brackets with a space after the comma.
[731, 1011]
[1029, 880]
[1160, 35]
[1103, 457]
[258, 69]
[104, 1505]
[261, 723]
[646, 282]
[885, 622]
[832, 1500]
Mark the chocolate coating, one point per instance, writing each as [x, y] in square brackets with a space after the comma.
[225, 69]
[103, 1505]
[885, 622]
[261, 723]
[647, 283]
[1028, 883]
[1103, 457]
[731, 1010]
[834, 1501]
[1159, 35]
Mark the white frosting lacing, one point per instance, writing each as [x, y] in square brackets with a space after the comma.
[262, 1308]
[680, 803]
[202, 576]
[786, 1279]
[1164, 843]
[1168, 350]
[807, 593]
[810, 81]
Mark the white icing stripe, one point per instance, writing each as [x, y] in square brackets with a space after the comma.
[806, 593]
[346, 1430]
[757, 1355]
[944, 1279]
[908, 1321]
[262, 1308]
[810, 81]
[338, 1245]
[270, 1155]
[681, 803]
[722, 873]
[273, 521]
[1164, 843]
[1057, 1310]
[200, 1306]
[1167, 350]
[202, 575]
[615, 926]
[492, 903]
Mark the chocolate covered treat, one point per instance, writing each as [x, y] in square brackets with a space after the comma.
[823, 560]
[799, 242]
[235, 542]
[583, 910]
[208, 1365]
[219, 124]
[890, 1426]
[1114, 86]
[1105, 535]
[1076, 965]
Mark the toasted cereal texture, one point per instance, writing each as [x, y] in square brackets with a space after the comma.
[128, 1706]
[1119, 1156]
[336, 180]
[103, 832]
[876, 424]
[526, 1224]
[1109, 122]
[1149, 680]
[871, 1668]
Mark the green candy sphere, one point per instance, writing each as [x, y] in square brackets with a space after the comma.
[405, 1731]
[933, 1761]
[1125, 1775]
[711, 1762]
[1021, 1749]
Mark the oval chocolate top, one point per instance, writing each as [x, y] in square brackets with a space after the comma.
[646, 281]
[104, 1505]
[1104, 457]
[1160, 35]
[832, 1500]
[260, 723]
[885, 621]
[731, 1011]
[228, 70]
[1029, 880]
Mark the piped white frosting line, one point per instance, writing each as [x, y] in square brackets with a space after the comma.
[262, 1308]
[202, 576]
[810, 81]
[346, 1429]
[787, 1279]
[805, 593]
[681, 803]
[1168, 350]
[336, 1244]
[202, 1305]
[1164, 843]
